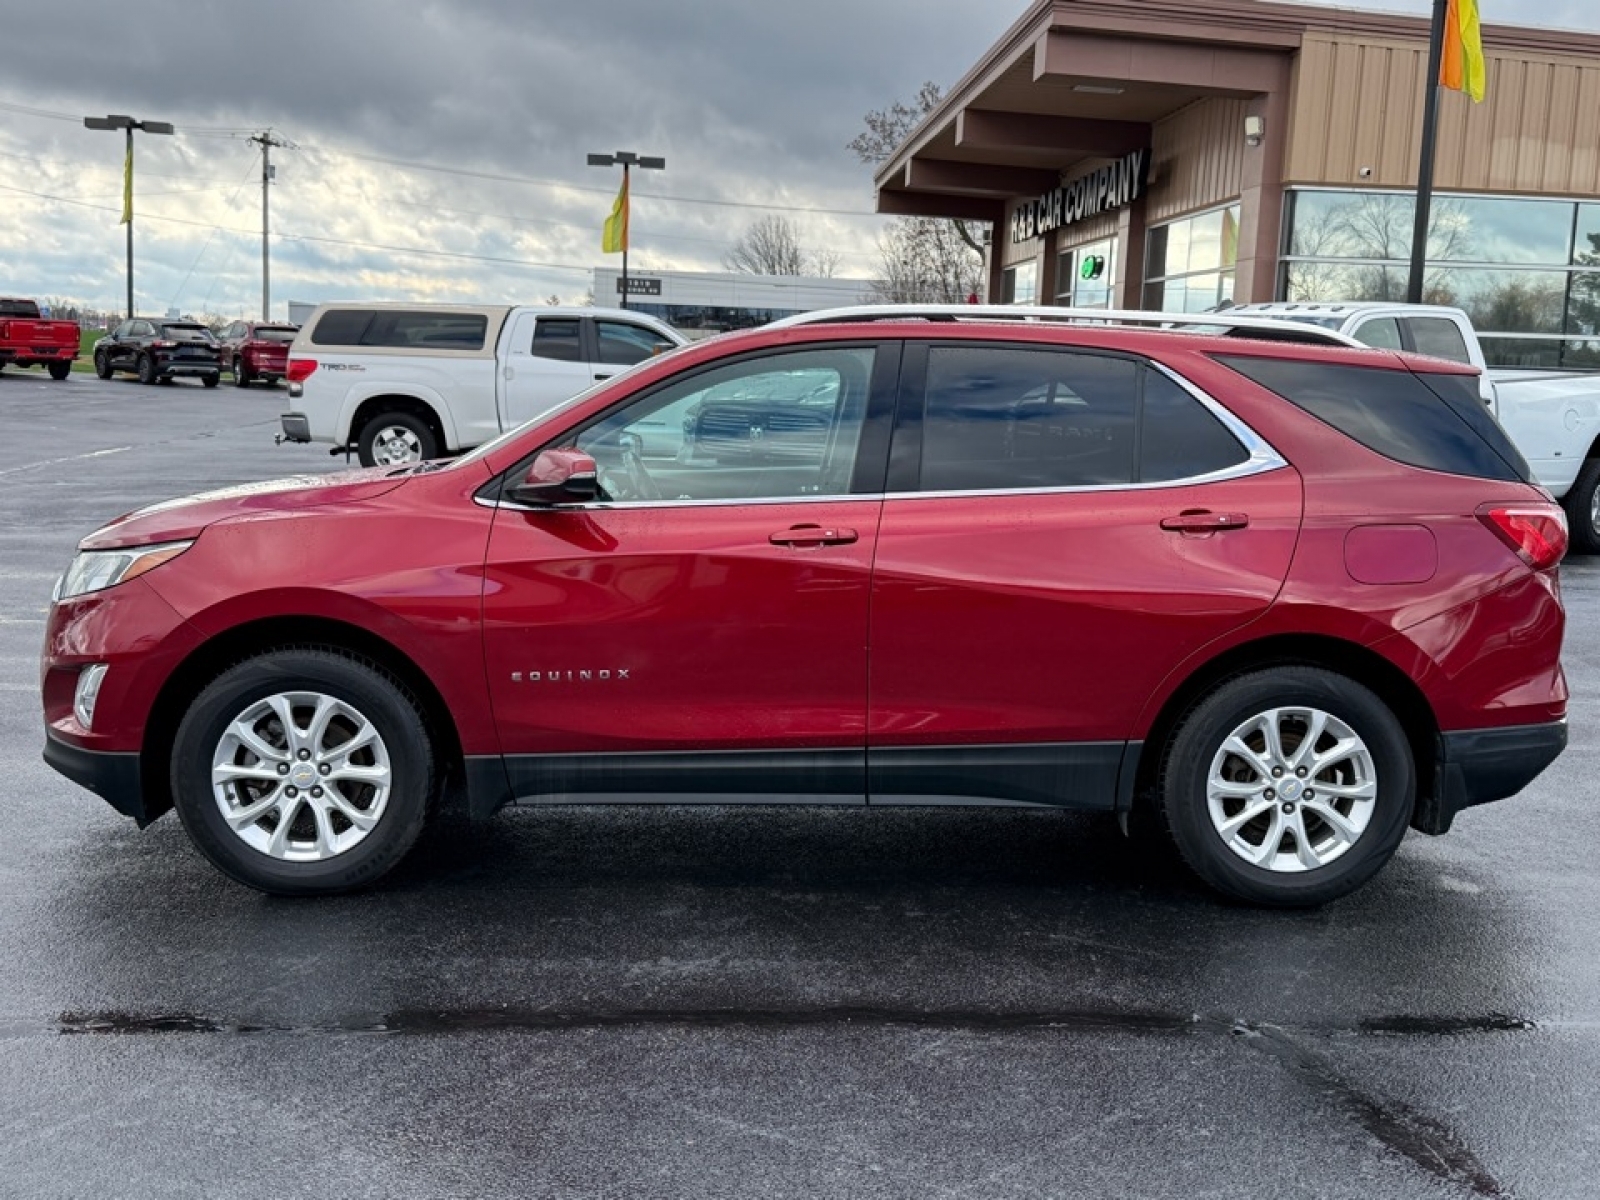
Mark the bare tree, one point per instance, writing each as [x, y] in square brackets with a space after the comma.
[770, 246]
[925, 259]
[925, 262]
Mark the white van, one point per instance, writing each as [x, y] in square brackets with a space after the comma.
[399, 383]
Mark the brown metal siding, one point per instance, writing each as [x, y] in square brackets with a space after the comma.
[1358, 104]
[1196, 159]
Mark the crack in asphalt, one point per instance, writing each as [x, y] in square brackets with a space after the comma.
[1400, 1129]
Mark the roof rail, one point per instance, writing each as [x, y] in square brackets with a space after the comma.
[1217, 323]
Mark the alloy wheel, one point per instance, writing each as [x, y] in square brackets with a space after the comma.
[1291, 789]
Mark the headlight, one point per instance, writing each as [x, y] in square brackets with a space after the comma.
[95, 570]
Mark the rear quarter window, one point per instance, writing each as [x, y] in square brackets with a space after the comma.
[341, 327]
[1395, 413]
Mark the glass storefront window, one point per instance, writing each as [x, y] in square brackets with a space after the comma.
[1086, 276]
[1356, 246]
[1189, 263]
[1020, 284]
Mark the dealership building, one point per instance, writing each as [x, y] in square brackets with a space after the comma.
[1176, 156]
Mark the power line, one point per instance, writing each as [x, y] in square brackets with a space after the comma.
[531, 181]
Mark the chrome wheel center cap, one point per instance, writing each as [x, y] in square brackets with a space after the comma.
[304, 775]
[1291, 789]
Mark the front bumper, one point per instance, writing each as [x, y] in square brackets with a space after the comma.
[296, 427]
[113, 775]
[1479, 766]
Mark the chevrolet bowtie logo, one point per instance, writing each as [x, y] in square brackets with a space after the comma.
[607, 675]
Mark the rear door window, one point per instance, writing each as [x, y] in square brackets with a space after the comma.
[1438, 337]
[559, 338]
[1002, 418]
[1400, 415]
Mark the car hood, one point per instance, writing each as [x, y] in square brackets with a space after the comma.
[185, 517]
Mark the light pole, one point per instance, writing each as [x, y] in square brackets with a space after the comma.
[626, 159]
[116, 121]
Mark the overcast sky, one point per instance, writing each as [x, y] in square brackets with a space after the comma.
[751, 104]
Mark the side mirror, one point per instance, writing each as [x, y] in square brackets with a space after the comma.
[560, 476]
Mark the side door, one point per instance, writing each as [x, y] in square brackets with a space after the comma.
[702, 627]
[543, 364]
[1062, 529]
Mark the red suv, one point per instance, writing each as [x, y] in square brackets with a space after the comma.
[1296, 598]
[256, 350]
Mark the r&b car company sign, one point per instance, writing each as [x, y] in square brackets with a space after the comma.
[1089, 195]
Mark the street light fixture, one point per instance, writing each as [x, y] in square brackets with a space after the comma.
[627, 160]
[117, 121]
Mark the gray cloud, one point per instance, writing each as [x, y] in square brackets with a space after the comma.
[750, 104]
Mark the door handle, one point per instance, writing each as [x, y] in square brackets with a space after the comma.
[1204, 521]
[607, 375]
[814, 535]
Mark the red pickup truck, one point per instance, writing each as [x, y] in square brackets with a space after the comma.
[27, 338]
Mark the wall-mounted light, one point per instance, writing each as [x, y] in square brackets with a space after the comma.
[1254, 130]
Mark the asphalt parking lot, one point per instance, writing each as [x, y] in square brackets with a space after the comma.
[724, 1002]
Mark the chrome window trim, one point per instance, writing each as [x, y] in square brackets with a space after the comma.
[1263, 457]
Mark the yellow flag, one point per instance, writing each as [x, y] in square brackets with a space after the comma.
[614, 236]
[127, 188]
[1461, 66]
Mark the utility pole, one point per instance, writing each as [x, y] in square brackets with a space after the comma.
[267, 143]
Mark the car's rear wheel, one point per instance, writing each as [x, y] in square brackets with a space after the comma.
[146, 369]
[102, 364]
[303, 771]
[1582, 503]
[395, 439]
[241, 373]
[59, 370]
[211, 380]
[1287, 787]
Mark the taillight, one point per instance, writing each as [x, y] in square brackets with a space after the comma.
[300, 368]
[1537, 532]
[162, 345]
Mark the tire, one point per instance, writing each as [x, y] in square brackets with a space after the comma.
[102, 364]
[235, 725]
[395, 439]
[146, 369]
[1582, 503]
[241, 373]
[59, 370]
[211, 380]
[1205, 788]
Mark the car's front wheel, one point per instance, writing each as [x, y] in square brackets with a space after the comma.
[102, 364]
[395, 439]
[1289, 786]
[303, 771]
[241, 373]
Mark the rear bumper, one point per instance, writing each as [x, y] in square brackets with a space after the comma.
[187, 367]
[112, 775]
[1479, 766]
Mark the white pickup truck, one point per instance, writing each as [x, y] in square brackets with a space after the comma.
[399, 383]
[1552, 417]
